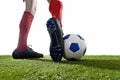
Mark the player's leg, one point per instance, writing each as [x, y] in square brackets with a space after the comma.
[54, 27]
[25, 23]
[55, 8]
[23, 51]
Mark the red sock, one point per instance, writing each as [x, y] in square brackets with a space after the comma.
[55, 9]
[24, 26]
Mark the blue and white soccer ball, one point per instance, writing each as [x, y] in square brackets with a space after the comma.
[74, 47]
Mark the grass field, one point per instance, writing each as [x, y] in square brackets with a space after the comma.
[88, 68]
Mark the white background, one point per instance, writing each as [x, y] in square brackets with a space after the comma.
[98, 21]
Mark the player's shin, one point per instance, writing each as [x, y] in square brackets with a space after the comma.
[25, 25]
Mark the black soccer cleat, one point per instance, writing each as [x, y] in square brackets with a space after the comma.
[56, 36]
[27, 53]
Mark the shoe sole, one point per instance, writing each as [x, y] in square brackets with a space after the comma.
[56, 35]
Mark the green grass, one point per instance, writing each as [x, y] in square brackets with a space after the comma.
[88, 68]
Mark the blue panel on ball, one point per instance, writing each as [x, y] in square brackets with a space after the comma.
[66, 37]
[80, 37]
[74, 47]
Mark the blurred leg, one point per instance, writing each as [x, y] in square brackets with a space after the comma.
[55, 31]
[55, 8]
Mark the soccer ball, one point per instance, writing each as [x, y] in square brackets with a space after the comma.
[74, 47]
